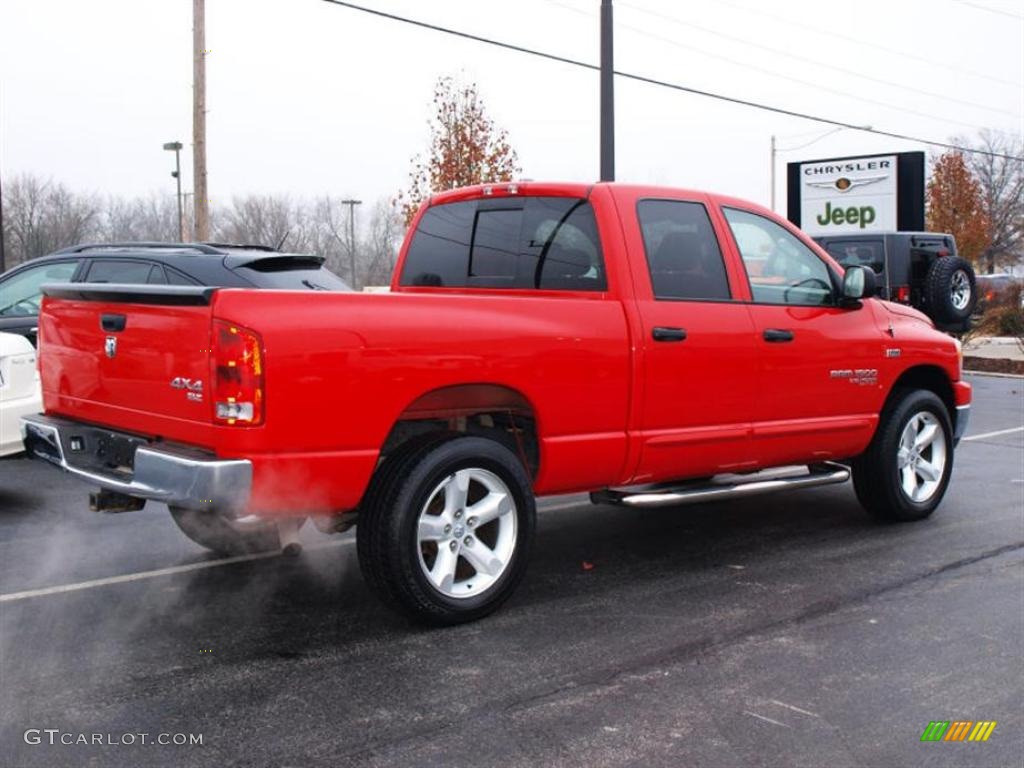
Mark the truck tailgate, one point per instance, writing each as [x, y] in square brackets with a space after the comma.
[131, 356]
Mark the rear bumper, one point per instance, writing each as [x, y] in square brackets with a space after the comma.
[174, 475]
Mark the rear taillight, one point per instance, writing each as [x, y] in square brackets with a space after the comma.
[237, 375]
[903, 294]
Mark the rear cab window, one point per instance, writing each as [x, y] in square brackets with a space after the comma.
[546, 243]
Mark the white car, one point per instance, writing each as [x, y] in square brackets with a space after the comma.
[20, 394]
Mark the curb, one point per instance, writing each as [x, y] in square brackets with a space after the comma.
[993, 365]
[995, 375]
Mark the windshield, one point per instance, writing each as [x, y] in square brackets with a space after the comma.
[19, 292]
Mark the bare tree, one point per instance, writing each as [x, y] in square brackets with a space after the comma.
[1002, 190]
[380, 248]
[41, 216]
[333, 235]
[261, 220]
[153, 218]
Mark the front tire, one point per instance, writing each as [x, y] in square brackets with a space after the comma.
[445, 530]
[905, 471]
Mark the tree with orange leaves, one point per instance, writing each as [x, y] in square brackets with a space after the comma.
[956, 206]
[466, 147]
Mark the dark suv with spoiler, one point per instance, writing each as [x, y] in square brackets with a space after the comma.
[204, 264]
[921, 269]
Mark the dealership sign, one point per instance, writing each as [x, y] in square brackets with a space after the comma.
[872, 193]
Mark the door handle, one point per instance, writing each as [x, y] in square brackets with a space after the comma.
[777, 335]
[668, 334]
[113, 323]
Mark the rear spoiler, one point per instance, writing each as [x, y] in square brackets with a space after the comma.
[168, 295]
[275, 262]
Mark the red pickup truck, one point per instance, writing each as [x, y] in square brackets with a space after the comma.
[648, 345]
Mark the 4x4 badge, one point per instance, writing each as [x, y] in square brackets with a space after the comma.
[111, 346]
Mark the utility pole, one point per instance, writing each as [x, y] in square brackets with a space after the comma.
[607, 94]
[352, 237]
[201, 200]
[773, 173]
[175, 147]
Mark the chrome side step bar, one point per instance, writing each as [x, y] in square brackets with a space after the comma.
[726, 486]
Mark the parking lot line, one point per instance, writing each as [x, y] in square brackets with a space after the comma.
[766, 719]
[997, 433]
[174, 569]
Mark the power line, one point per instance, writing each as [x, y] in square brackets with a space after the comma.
[997, 11]
[865, 43]
[772, 73]
[805, 59]
[663, 83]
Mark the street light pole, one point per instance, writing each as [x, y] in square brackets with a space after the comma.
[352, 237]
[175, 147]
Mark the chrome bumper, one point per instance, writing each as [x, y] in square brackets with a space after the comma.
[174, 475]
[963, 418]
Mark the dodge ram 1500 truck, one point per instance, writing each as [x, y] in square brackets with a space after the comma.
[647, 345]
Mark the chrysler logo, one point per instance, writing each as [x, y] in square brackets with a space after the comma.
[845, 184]
[111, 346]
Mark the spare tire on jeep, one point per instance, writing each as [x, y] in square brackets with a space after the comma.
[949, 290]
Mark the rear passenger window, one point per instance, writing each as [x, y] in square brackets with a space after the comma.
[683, 256]
[536, 242]
[118, 271]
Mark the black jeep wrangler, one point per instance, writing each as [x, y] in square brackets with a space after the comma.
[916, 268]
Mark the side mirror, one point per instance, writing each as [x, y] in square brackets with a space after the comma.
[858, 283]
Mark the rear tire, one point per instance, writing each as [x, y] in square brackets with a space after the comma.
[445, 529]
[950, 290]
[905, 471]
[221, 533]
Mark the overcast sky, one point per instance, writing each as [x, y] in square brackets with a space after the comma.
[307, 98]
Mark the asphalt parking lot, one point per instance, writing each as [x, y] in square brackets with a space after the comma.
[782, 631]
